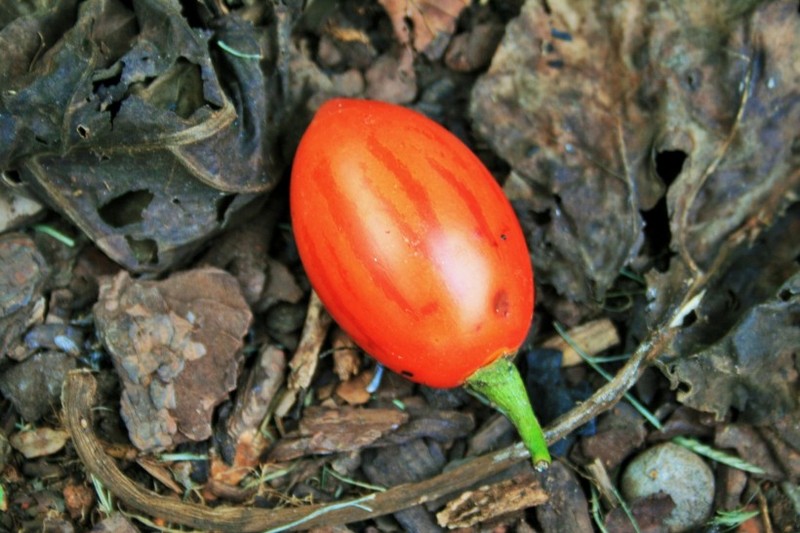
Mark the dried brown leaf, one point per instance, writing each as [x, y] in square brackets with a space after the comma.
[433, 22]
[582, 100]
[559, 103]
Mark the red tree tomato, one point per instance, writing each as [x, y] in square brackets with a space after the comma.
[409, 241]
[416, 252]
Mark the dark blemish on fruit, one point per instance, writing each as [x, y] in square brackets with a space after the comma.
[503, 236]
[502, 306]
[407, 374]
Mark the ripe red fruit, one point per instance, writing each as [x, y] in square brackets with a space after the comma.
[410, 243]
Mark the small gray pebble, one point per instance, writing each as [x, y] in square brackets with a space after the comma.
[673, 470]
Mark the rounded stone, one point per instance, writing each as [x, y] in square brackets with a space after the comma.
[678, 472]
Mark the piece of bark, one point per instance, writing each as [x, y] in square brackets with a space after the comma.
[748, 443]
[492, 501]
[354, 391]
[254, 397]
[440, 426]
[496, 433]
[176, 345]
[325, 431]
[160, 472]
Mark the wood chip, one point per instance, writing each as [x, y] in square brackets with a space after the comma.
[346, 360]
[490, 501]
[39, 442]
[160, 472]
[304, 362]
[592, 337]
[354, 391]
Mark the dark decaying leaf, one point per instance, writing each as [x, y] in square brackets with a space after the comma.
[601, 111]
[753, 368]
[176, 345]
[136, 125]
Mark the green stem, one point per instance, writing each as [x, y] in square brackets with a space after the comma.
[500, 383]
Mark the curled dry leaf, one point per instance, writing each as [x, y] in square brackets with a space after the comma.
[123, 116]
[176, 345]
[433, 22]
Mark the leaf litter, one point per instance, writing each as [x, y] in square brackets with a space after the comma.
[650, 152]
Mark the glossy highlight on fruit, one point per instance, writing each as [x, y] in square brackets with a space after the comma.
[416, 252]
